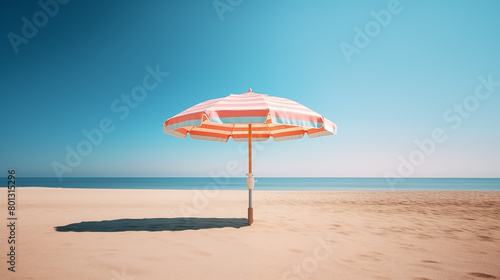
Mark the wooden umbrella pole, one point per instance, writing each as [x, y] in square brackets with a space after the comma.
[250, 148]
[250, 208]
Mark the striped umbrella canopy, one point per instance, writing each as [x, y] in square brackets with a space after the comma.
[222, 118]
[249, 117]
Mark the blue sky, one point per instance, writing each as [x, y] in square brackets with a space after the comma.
[402, 79]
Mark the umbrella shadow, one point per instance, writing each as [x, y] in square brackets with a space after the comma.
[153, 224]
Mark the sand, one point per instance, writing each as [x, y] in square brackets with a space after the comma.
[172, 234]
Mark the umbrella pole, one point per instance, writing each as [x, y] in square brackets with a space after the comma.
[250, 208]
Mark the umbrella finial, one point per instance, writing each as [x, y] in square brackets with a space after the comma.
[250, 90]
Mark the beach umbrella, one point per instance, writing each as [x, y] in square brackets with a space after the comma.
[249, 117]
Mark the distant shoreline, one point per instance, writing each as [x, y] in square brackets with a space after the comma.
[263, 183]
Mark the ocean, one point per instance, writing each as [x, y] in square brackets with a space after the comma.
[266, 183]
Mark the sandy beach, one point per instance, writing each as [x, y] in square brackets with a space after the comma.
[174, 234]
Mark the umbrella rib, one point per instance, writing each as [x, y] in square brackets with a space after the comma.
[232, 131]
[268, 129]
[271, 134]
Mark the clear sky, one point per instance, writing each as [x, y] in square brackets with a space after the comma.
[388, 73]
